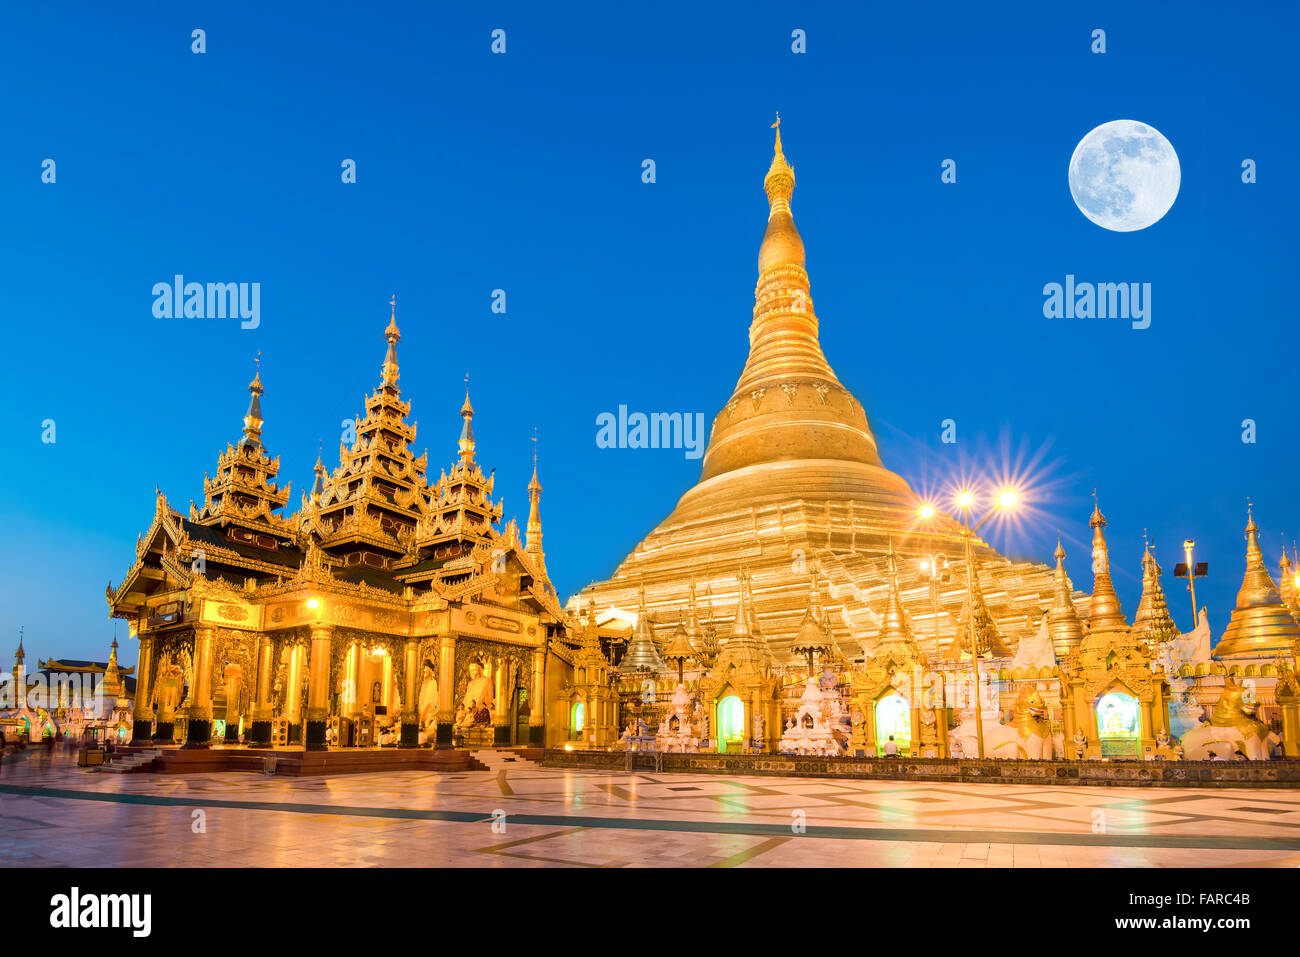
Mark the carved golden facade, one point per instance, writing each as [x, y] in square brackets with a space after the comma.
[385, 608]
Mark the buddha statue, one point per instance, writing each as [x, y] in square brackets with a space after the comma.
[476, 705]
[428, 700]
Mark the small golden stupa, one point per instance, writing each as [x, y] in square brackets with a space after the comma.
[1261, 624]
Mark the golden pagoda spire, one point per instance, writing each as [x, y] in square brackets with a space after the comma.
[1261, 624]
[988, 639]
[318, 484]
[253, 417]
[533, 540]
[787, 404]
[388, 371]
[1104, 612]
[467, 430]
[1286, 583]
[692, 614]
[1063, 618]
[1151, 622]
[812, 638]
[896, 633]
[740, 627]
[642, 652]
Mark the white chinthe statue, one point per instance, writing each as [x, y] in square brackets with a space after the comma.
[1028, 737]
[1037, 651]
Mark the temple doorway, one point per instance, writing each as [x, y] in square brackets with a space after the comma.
[1118, 727]
[731, 724]
[893, 718]
[522, 713]
[576, 719]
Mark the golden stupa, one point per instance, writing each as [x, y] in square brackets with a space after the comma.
[793, 484]
[1261, 624]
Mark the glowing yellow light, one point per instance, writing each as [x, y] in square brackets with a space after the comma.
[927, 511]
[1007, 499]
[925, 566]
[312, 603]
[965, 500]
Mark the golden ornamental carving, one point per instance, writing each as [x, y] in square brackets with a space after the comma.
[232, 612]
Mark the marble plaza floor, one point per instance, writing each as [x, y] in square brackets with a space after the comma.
[55, 814]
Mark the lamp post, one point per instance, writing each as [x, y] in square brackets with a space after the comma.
[965, 499]
[1191, 571]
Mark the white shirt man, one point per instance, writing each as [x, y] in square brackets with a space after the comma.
[891, 748]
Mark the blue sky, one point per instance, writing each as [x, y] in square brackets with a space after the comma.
[522, 172]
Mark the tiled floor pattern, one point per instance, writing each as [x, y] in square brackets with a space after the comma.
[52, 813]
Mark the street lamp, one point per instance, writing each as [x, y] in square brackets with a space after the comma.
[1006, 501]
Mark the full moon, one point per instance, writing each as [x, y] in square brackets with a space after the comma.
[1124, 175]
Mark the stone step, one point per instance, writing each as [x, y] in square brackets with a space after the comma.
[497, 759]
[136, 762]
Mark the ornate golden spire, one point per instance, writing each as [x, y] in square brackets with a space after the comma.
[812, 639]
[244, 492]
[988, 639]
[467, 430]
[1063, 618]
[781, 243]
[1261, 625]
[788, 404]
[896, 633]
[253, 417]
[1151, 622]
[692, 615]
[740, 627]
[1104, 612]
[533, 539]
[388, 371]
[1286, 584]
[642, 652]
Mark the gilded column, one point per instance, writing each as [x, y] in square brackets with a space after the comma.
[142, 718]
[501, 707]
[259, 730]
[234, 676]
[410, 705]
[446, 690]
[318, 679]
[293, 693]
[199, 730]
[351, 704]
[537, 702]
